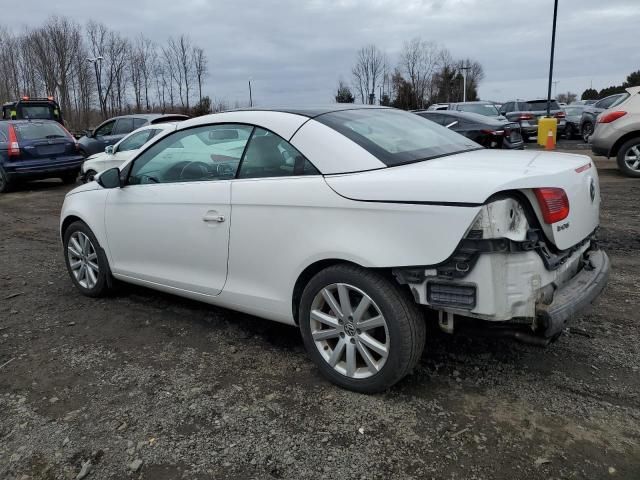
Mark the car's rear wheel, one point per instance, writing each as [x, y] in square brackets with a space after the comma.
[629, 157]
[5, 184]
[85, 260]
[70, 178]
[362, 331]
[89, 176]
[587, 131]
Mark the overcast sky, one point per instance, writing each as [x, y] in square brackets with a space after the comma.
[296, 50]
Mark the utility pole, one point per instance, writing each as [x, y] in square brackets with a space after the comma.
[250, 96]
[553, 46]
[464, 82]
[97, 66]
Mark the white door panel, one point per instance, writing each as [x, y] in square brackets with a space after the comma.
[173, 234]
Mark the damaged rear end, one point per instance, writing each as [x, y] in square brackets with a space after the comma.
[528, 263]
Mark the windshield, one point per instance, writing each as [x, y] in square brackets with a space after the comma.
[486, 109]
[39, 131]
[540, 105]
[396, 137]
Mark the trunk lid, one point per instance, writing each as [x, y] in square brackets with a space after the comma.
[470, 178]
[43, 140]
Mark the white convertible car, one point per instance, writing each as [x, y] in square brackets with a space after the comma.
[350, 222]
[124, 150]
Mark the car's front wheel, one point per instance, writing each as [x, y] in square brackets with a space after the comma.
[363, 332]
[629, 158]
[85, 260]
[89, 176]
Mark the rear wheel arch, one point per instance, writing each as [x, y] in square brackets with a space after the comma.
[621, 141]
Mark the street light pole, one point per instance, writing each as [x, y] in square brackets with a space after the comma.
[553, 46]
[464, 83]
[250, 96]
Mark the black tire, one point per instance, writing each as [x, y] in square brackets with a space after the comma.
[70, 178]
[404, 320]
[88, 176]
[586, 130]
[622, 152]
[5, 183]
[104, 279]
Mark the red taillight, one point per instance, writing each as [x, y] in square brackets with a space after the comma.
[553, 203]
[14, 146]
[611, 116]
[525, 116]
[560, 115]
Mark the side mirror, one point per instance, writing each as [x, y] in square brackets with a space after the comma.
[109, 149]
[110, 178]
[89, 133]
[452, 124]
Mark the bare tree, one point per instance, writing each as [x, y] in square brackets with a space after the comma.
[418, 61]
[179, 57]
[200, 66]
[368, 72]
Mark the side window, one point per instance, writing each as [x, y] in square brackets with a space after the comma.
[434, 117]
[211, 152]
[139, 122]
[448, 120]
[105, 129]
[269, 155]
[135, 141]
[123, 126]
[508, 107]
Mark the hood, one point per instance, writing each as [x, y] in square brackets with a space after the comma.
[84, 188]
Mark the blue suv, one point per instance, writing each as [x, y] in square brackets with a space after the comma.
[37, 149]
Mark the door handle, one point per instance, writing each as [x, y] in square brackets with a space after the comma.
[212, 217]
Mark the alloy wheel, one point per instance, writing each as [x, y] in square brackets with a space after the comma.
[349, 330]
[632, 157]
[83, 260]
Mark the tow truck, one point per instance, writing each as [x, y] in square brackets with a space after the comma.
[26, 108]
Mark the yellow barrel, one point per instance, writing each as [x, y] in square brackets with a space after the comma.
[546, 124]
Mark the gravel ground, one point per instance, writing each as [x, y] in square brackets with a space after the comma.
[150, 386]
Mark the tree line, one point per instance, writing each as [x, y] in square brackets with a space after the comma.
[424, 73]
[95, 72]
[633, 80]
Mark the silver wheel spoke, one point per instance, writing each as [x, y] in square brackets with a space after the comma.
[345, 303]
[77, 249]
[636, 151]
[336, 355]
[75, 265]
[91, 277]
[325, 334]
[351, 359]
[373, 344]
[328, 320]
[361, 309]
[92, 257]
[94, 266]
[331, 301]
[366, 355]
[371, 323]
[635, 164]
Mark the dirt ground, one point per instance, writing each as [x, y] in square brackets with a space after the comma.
[150, 386]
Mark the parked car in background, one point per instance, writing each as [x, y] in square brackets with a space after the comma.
[617, 133]
[573, 115]
[36, 149]
[115, 129]
[487, 109]
[487, 131]
[527, 113]
[583, 102]
[28, 108]
[590, 113]
[125, 149]
[438, 106]
[347, 222]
